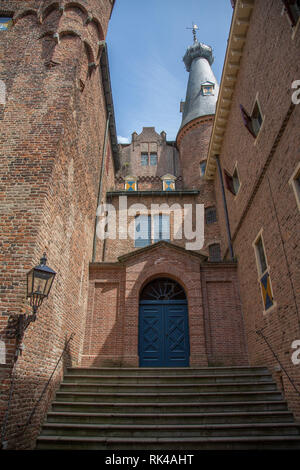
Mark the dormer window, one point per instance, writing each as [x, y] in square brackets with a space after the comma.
[131, 183]
[5, 23]
[169, 182]
[207, 88]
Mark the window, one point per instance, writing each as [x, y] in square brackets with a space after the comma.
[168, 182]
[295, 182]
[261, 255]
[263, 272]
[148, 159]
[236, 181]
[254, 122]
[232, 181]
[5, 23]
[153, 159]
[144, 159]
[142, 231]
[149, 229]
[131, 183]
[210, 215]
[161, 227]
[214, 252]
[202, 167]
[207, 88]
[292, 8]
[256, 119]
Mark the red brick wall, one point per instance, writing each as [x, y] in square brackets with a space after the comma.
[224, 331]
[266, 200]
[113, 310]
[193, 142]
[116, 248]
[51, 143]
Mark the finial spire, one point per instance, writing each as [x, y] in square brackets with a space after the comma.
[194, 29]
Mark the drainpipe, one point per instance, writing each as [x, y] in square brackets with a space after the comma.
[100, 183]
[225, 208]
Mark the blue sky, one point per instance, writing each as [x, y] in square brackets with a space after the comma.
[146, 42]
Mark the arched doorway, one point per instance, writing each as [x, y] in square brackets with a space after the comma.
[163, 325]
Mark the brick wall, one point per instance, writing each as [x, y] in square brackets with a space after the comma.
[51, 143]
[266, 200]
[113, 310]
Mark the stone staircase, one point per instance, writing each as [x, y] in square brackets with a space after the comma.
[169, 409]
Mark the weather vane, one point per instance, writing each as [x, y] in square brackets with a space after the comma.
[194, 28]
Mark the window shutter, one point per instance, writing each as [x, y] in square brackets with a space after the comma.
[247, 120]
[288, 6]
[229, 182]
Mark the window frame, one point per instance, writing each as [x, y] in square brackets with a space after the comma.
[150, 159]
[293, 21]
[206, 212]
[6, 16]
[295, 184]
[215, 243]
[261, 273]
[152, 229]
[146, 158]
[238, 178]
[249, 119]
[202, 173]
[138, 241]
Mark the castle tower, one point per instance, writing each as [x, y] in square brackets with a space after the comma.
[197, 112]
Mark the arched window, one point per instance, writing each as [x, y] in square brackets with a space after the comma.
[163, 289]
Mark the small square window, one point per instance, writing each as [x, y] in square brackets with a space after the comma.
[210, 215]
[5, 23]
[207, 88]
[214, 252]
[153, 159]
[131, 185]
[168, 185]
[144, 159]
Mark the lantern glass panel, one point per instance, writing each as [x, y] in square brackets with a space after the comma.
[40, 282]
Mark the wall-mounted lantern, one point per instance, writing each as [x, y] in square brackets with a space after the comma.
[39, 283]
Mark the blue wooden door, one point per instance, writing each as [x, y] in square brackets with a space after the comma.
[163, 334]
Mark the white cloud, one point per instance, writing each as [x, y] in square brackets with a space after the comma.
[123, 140]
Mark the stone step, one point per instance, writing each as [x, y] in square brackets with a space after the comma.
[167, 378]
[167, 430]
[172, 388]
[181, 407]
[167, 397]
[196, 443]
[174, 371]
[171, 418]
